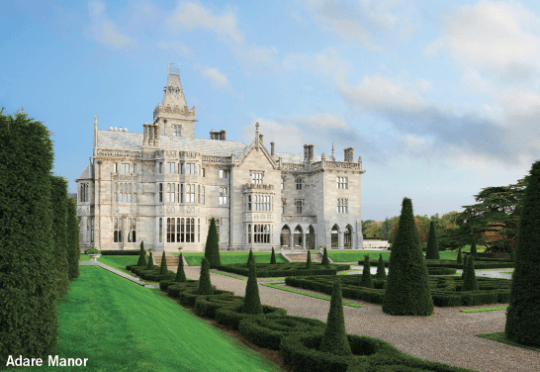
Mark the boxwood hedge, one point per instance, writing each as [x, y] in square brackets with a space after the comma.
[266, 270]
[231, 316]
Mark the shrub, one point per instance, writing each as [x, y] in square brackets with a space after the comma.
[469, 282]
[366, 274]
[252, 300]
[474, 253]
[59, 202]
[407, 287]
[208, 305]
[464, 272]
[251, 258]
[335, 338]
[231, 316]
[381, 272]
[273, 257]
[92, 250]
[150, 265]
[205, 286]
[180, 273]
[163, 267]
[211, 250]
[524, 308]
[325, 260]
[73, 247]
[308, 262]
[142, 256]
[432, 252]
[459, 257]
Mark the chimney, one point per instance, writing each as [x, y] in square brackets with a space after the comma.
[145, 133]
[306, 152]
[261, 139]
[156, 134]
[348, 154]
[223, 135]
[311, 152]
[272, 148]
[150, 134]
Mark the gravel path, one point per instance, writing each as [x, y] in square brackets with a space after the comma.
[447, 337]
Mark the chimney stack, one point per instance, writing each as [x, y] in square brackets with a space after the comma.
[272, 148]
[261, 139]
[349, 154]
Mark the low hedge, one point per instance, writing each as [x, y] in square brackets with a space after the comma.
[231, 316]
[265, 270]
[151, 275]
[301, 352]
[441, 270]
[174, 290]
[208, 305]
[188, 296]
[134, 252]
[268, 332]
[479, 263]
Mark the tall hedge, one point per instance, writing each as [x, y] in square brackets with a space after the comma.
[26, 240]
[474, 252]
[459, 256]
[308, 262]
[205, 286]
[469, 280]
[180, 273]
[464, 272]
[142, 256]
[163, 268]
[366, 274]
[252, 300]
[432, 252]
[273, 257]
[74, 249]
[59, 207]
[251, 258]
[150, 265]
[335, 337]
[407, 287]
[325, 260]
[524, 308]
[381, 272]
[211, 250]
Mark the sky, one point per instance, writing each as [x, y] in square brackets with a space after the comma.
[440, 99]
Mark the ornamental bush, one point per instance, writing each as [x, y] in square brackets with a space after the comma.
[211, 250]
[150, 265]
[366, 274]
[325, 260]
[381, 272]
[205, 286]
[308, 262]
[251, 258]
[464, 272]
[163, 267]
[335, 338]
[142, 256]
[273, 257]
[432, 252]
[469, 281]
[180, 273]
[252, 300]
[474, 253]
[524, 308]
[407, 287]
[74, 249]
[59, 202]
[459, 257]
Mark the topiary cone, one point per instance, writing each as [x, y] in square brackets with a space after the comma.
[325, 260]
[142, 256]
[432, 251]
[335, 338]
[381, 272]
[211, 249]
[205, 286]
[474, 253]
[273, 257]
[150, 265]
[250, 258]
[366, 274]
[459, 257]
[464, 272]
[469, 282]
[163, 268]
[308, 262]
[180, 273]
[252, 300]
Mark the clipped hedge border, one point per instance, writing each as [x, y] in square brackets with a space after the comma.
[479, 263]
[441, 270]
[263, 270]
[208, 305]
[189, 296]
[134, 252]
[174, 290]
[268, 332]
[152, 275]
[231, 316]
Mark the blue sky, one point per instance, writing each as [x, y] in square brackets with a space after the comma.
[441, 99]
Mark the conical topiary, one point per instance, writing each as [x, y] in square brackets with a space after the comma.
[211, 250]
[273, 257]
[252, 300]
[459, 257]
[308, 262]
[381, 272]
[432, 252]
[366, 274]
[142, 256]
[325, 260]
[469, 281]
[335, 338]
[513, 253]
[163, 268]
[524, 309]
[251, 258]
[205, 286]
[150, 265]
[464, 272]
[180, 273]
[474, 253]
[407, 287]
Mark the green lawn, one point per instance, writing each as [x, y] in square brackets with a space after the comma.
[121, 326]
[320, 297]
[194, 259]
[484, 309]
[84, 257]
[501, 337]
[356, 255]
[120, 262]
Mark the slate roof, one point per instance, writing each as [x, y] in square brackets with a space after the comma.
[87, 173]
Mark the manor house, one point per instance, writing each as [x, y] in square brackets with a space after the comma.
[163, 186]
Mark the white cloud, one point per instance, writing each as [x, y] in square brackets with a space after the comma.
[177, 47]
[328, 63]
[287, 137]
[104, 30]
[218, 80]
[190, 15]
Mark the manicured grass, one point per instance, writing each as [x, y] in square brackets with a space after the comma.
[508, 272]
[84, 257]
[356, 255]
[484, 309]
[326, 298]
[120, 326]
[119, 262]
[501, 337]
[194, 259]
[229, 275]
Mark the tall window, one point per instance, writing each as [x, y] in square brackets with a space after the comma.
[299, 183]
[179, 225]
[177, 130]
[181, 192]
[181, 169]
[282, 183]
[257, 177]
[116, 192]
[92, 230]
[115, 167]
[160, 229]
[342, 183]
[170, 230]
[203, 171]
[299, 206]
[190, 168]
[222, 195]
[199, 194]
[161, 193]
[160, 167]
[342, 206]
[261, 203]
[190, 230]
[134, 168]
[248, 202]
[125, 167]
[118, 230]
[202, 196]
[171, 168]
[170, 193]
[249, 233]
[261, 233]
[223, 173]
[198, 230]
[132, 232]
[190, 193]
[282, 206]
[88, 229]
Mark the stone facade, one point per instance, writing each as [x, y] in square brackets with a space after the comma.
[163, 186]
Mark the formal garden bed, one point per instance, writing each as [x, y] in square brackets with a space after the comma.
[267, 270]
[479, 264]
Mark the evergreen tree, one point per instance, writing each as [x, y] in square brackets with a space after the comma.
[459, 257]
[474, 253]
[308, 262]
[407, 287]
[251, 258]
[513, 253]
[211, 250]
[205, 286]
[273, 257]
[432, 252]
[59, 202]
[381, 272]
[335, 337]
[252, 300]
[150, 265]
[469, 281]
[142, 256]
[163, 268]
[524, 309]
[325, 260]
[73, 239]
[464, 272]
[366, 274]
[180, 273]
[28, 286]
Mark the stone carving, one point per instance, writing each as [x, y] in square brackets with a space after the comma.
[342, 165]
[293, 167]
[120, 153]
[217, 159]
[249, 186]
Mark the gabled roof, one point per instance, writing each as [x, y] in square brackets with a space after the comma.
[87, 173]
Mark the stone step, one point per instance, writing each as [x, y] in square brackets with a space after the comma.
[172, 260]
[302, 257]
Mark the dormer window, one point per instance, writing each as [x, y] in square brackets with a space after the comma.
[257, 177]
[177, 130]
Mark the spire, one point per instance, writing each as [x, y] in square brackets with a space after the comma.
[333, 153]
[173, 92]
[257, 134]
[95, 132]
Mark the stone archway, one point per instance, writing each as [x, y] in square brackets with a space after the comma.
[285, 237]
[310, 238]
[334, 236]
[347, 237]
[298, 237]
